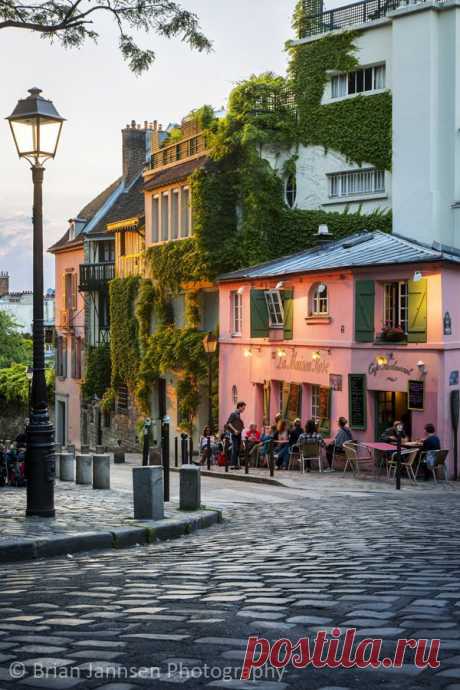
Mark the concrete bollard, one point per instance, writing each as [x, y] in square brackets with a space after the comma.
[66, 467]
[190, 488]
[101, 471]
[84, 474]
[119, 456]
[148, 493]
[100, 450]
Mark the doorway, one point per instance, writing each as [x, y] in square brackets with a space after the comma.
[391, 406]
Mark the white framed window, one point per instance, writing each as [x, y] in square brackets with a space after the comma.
[155, 218]
[319, 299]
[175, 214]
[396, 305]
[356, 183]
[358, 81]
[236, 306]
[291, 190]
[185, 212]
[165, 216]
[315, 402]
[275, 308]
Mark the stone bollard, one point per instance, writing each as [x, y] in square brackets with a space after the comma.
[66, 467]
[100, 450]
[148, 493]
[101, 471]
[84, 449]
[119, 456]
[84, 469]
[190, 488]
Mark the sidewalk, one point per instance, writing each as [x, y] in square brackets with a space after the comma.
[87, 519]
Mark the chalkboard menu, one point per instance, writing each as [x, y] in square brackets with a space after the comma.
[416, 395]
[357, 401]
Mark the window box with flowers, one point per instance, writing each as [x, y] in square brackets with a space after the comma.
[392, 334]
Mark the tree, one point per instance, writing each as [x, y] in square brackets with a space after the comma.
[71, 23]
[14, 348]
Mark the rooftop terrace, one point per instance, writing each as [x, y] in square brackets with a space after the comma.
[357, 13]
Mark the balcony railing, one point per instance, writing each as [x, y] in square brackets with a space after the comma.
[363, 12]
[130, 265]
[96, 276]
[180, 151]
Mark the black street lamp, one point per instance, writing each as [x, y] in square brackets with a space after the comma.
[210, 347]
[36, 127]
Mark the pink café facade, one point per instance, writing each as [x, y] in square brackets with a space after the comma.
[304, 335]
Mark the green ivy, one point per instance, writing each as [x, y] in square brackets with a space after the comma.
[124, 331]
[98, 374]
[14, 385]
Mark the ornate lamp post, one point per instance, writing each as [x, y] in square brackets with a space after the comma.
[210, 347]
[36, 127]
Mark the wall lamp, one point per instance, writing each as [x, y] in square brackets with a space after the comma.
[281, 353]
[421, 366]
[381, 360]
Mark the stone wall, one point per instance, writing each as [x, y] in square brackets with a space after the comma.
[99, 428]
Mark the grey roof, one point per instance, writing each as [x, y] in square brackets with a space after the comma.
[361, 249]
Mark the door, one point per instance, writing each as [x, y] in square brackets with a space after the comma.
[390, 407]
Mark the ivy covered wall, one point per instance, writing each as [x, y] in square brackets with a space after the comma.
[239, 214]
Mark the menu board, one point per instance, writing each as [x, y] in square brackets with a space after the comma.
[324, 425]
[357, 401]
[416, 395]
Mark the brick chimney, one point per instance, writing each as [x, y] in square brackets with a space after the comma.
[4, 283]
[136, 147]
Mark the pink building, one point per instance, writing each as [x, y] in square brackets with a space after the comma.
[364, 327]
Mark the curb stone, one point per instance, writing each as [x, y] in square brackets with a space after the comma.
[238, 477]
[141, 533]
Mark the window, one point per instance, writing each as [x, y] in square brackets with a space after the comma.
[76, 358]
[122, 244]
[275, 308]
[106, 252]
[165, 216]
[155, 218]
[319, 299]
[175, 214]
[315, 403]
[236, 301]
[61, 357]
[291, 190]
[358, 81]
[356, 183]
[185, 212]
[396, 305]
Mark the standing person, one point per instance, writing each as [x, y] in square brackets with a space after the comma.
[343, 435]
[236, 426]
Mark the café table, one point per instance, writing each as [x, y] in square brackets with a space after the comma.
[379, 447]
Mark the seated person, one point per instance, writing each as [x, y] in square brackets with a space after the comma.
[295, 432]
[252, 434]
[390, 435]
[342, 436]
[311, 435]
[266, 436]
[281, 439]
[431, 442]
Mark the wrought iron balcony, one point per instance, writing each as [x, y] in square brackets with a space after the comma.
[96, 276]
[177, 152]
[357, 13]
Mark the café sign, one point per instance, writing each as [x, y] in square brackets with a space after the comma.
[391, 365]
[296, 363]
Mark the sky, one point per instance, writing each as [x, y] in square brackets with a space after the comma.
[97, 94]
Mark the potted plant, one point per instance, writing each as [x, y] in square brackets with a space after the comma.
[392, 334]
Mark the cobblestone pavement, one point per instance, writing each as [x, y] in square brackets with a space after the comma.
[387, 564]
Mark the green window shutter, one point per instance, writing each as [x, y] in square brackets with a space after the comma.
[288, 305]
[259, 314]
[417, 311]
[364, 311]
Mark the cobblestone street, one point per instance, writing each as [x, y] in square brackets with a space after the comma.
[283, 564]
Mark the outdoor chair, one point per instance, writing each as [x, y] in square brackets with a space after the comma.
[308, 451]
[294, 455]
[357, 456]
[436, 459]
[408, 460]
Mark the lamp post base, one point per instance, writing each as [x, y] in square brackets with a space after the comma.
[40, 466]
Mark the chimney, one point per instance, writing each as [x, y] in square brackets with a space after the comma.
[323, 236]
[4, 283]
[136, 147]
